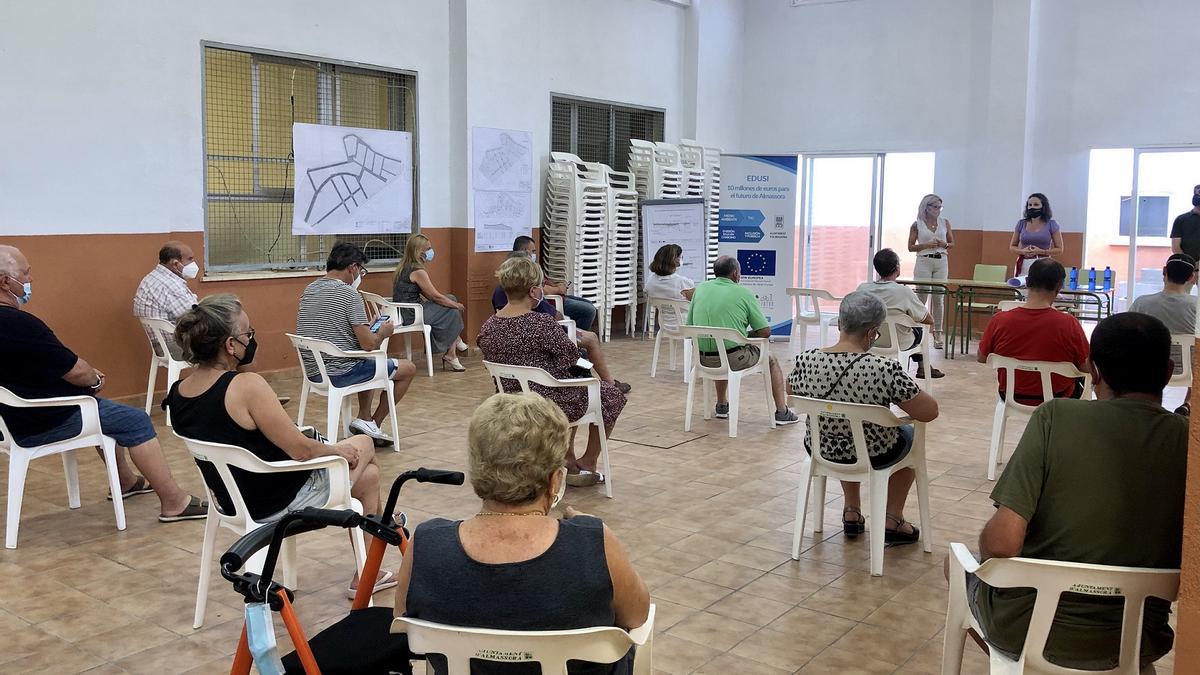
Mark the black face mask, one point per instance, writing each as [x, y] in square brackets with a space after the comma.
[251, 348]
[1195, 200]
[1034, 213]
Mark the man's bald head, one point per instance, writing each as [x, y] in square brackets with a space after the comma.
[12, 261]
[727, 266]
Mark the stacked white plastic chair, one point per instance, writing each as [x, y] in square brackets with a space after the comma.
[621, 287]
[709, 160]
[575, 228]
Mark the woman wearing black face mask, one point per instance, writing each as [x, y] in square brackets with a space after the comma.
[218, 404]
[1036, 235]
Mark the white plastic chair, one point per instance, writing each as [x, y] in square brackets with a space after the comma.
[1005, 408]
[1005, 305]
[815, 468]
[808, 313]
[340, 398]
[549, 648]
[707, 376]
[222, 457]
[162, 335]
[670, 314]
[380, 305]
[19, 456]
[1051, 578]
[525, 375]
[890, 327]
[1183, 375]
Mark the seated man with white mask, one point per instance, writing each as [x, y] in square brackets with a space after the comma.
[164, 292]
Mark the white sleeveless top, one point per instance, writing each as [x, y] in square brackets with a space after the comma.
[926, 236]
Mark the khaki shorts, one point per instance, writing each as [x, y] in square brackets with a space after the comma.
[739, 359]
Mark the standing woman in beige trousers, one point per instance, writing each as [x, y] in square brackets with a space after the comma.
[931, 238]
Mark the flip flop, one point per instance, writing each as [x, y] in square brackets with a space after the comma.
[197, 509]
[388, 580]
[140, 487]
[585, 478]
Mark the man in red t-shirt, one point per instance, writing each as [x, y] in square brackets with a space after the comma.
[1038, 332]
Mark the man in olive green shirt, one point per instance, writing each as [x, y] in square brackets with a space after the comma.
[724, 303]
[1098, 482]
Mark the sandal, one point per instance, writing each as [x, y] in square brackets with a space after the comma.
[196, 509]
[585, 478]
[853, 528]
[1185, 409]
[897, 536]
[140, 487]
[384, 581]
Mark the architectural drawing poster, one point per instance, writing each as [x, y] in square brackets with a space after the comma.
[352, 181]
[501, 180]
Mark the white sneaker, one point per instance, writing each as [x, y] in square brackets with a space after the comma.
[371, 429]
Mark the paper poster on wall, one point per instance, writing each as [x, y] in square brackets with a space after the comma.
[501, 181]
[502, 159]
[500, 217]
[351, 180]
[676, 221]
[758, 227]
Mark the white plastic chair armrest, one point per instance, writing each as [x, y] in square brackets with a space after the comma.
[961, 559]
[642, 633]
[338, 467]
[758, 341]
[89, 410]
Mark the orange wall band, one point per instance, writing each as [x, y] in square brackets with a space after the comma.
[84, 285]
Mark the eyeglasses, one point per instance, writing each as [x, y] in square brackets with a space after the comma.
[238, 335]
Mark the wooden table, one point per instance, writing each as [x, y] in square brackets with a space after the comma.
[1083, 303]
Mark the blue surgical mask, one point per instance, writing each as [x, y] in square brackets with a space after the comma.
[429, 255]
[533, 257]
[27, 292]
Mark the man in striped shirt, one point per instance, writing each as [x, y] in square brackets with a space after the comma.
[331, 309]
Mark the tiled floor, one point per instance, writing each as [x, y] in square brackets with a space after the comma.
[707, 520]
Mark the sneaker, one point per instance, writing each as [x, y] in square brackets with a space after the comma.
[371, 429]
[786, 416]
[934, 373]
[722, 411]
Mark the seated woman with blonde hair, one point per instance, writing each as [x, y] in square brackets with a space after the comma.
[219, 404]
[512, 566]
[519, 336]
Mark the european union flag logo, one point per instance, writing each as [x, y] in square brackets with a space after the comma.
[757, 262]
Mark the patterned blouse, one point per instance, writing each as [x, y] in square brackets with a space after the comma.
[869, 379]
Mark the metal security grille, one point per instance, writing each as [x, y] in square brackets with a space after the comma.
[250, 102]
[600, 132]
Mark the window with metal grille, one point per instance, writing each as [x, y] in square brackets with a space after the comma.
[251, 100]
[600, 132]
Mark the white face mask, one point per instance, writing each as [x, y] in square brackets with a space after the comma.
[429, 255]
[190, 270]
[357, 280]
[533, 257]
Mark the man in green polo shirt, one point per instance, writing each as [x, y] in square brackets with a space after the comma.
[1098, 482]
[724, 303]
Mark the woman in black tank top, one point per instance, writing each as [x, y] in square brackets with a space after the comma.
[215, 403]
[512, 566]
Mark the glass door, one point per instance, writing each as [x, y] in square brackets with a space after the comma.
[907, 177]
[841, 214]
[1163, 182]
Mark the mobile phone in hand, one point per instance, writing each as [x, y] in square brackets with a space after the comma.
[379, 321]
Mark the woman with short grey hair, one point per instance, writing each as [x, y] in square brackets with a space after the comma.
[512, 566]
[848, 373]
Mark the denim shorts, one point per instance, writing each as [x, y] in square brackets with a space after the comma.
[130, 427]
[314, 492]
[361, 372]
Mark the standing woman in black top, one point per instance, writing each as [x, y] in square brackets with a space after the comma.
[219, 404]
[1185, 232]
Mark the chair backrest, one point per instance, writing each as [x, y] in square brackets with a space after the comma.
[310, 350]
[1044, 369]
[718, 336]
[1183, 370]
[87, 407]
[670, 313]
[524, 375]
[549, 648]
[855, 414]
[1052, 578]
[377, 304]
[994, 273]
[808, 303]
[891, 327]
[161, 334]
[221, 457]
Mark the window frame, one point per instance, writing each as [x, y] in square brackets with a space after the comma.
[613, 107]
[298, 268]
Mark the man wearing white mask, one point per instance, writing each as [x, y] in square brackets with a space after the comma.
[331, 309]
[164, 292]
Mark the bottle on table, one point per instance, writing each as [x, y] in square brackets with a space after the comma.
[1073, 282]
[1091, 278]
[1107, 278]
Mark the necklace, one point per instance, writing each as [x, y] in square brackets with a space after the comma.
[510, 513]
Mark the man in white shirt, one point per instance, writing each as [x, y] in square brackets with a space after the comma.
[164, 292]
[1175, 307]
[900, 298]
